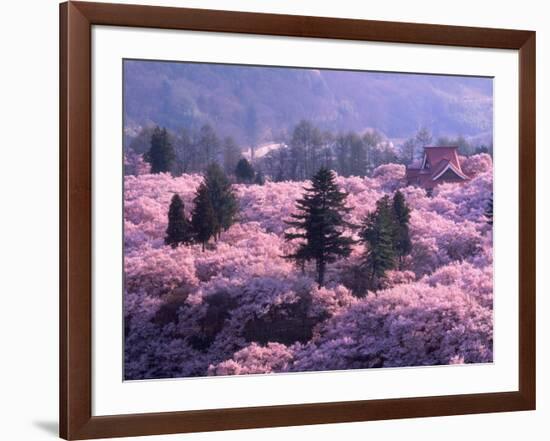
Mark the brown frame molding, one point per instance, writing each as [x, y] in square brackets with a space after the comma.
[76, 420]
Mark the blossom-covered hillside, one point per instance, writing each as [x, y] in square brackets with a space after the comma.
[240, 307]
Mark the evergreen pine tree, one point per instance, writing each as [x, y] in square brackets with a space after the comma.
[402, 215]
[378, 236]
[489, 211]
[320, 224]
[223, 199]
[161, 154]
[203, 219]
[244, 171]
[179, 229]
[259, 179]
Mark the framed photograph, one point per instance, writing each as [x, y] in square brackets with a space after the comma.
[273, 220]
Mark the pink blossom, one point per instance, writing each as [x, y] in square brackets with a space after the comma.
[476, 164]
[255, 359]
[437, 309]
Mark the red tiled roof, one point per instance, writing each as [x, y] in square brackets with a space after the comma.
[442, 166]
[435, 170]
[435, 155]
[437, 160]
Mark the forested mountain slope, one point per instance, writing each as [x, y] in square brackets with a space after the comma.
[258, 104]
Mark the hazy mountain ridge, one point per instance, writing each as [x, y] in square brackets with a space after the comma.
[258, 104]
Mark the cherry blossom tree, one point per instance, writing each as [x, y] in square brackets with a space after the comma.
[189, 313]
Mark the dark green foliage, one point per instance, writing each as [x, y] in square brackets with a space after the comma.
[141, 142]
[402, 215]
[386, 236]
[215, 206]
[378, 236]
[286, 323]
[203, 219]
[481, 149]
[219, 307]
[161, 154]
[244, 171]
[259, 179]
[168, 312]
[320, 224]
[489, 211]
[484, 149]
[179, 229]
[222, 198]
[354, 279]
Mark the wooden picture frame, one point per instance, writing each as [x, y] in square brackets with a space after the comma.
[76, 21]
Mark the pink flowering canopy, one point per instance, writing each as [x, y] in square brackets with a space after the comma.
[240, 307]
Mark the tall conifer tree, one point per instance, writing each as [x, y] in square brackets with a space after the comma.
[259, 179]
[402, 215]
[244, 171]
[203, 219]
[223, 199]
[179, 229]
[378, 236]
[320, 224]
[161, 154]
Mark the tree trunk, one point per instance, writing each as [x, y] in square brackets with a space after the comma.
[372, 277]
[320, 272]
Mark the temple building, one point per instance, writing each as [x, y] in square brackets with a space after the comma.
[439, 165]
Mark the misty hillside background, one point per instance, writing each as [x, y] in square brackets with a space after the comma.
[261, 104]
